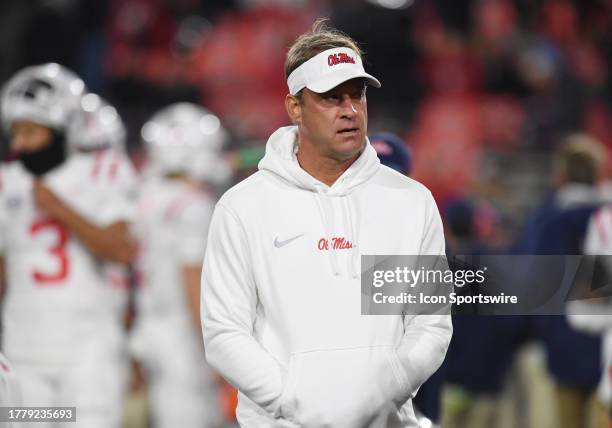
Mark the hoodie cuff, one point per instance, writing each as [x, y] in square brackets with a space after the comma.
[404, 380]
[274, 407]
[412, 376]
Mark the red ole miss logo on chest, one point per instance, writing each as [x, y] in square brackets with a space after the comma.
[337, 243]
[340, 58]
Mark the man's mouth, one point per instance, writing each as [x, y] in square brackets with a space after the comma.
[348, 131]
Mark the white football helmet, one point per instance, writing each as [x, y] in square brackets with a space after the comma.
[186, 138]
[48, 94]
[102, 127]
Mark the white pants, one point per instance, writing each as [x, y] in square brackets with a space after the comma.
[94, 384]
[182, 392]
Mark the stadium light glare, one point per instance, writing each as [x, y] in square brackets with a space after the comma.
[392, 4]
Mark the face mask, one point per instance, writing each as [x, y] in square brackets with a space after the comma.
[42, 161]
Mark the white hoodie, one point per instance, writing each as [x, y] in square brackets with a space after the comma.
[281, 295]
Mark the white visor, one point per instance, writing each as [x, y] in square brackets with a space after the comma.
[327, 70]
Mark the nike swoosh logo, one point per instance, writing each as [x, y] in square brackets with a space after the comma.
[280, 244]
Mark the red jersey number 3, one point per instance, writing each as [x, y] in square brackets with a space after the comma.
[58, 250]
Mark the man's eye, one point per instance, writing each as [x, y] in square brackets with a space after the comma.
[360, 94]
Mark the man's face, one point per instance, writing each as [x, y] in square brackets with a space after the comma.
[335, 122]
[29, 137]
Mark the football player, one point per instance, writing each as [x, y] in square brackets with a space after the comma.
[103, 128]
[61, 217]
[183, 144]
[104, 135]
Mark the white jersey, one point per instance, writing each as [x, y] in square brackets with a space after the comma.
[598, 241]
[171, 225]
[56, 295]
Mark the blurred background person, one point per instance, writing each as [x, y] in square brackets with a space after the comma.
[392, 152]
[61, 216]
[559, 227]
[104, 135]
[595, 316]
[184, 163]
[475, 386]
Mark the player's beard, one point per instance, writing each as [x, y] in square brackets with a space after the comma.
[44, 160]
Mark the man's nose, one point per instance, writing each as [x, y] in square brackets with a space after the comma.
[348, 106]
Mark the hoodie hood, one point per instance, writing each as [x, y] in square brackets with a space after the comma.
[280, 159]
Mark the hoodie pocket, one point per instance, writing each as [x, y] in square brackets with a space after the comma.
[357, 387]
[288, 388]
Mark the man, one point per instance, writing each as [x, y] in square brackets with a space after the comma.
[281, 278]
[595, 317]
[60, 216]
[560, 227]
[184, 157]
[392, 152]
[104, 135]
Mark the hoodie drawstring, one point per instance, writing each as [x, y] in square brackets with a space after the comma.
[327, 218]
[350, 219]
[352, 216]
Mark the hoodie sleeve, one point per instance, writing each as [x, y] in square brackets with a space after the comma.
[228, 308]
[426, 337]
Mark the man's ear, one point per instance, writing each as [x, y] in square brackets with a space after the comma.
[294, 109]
